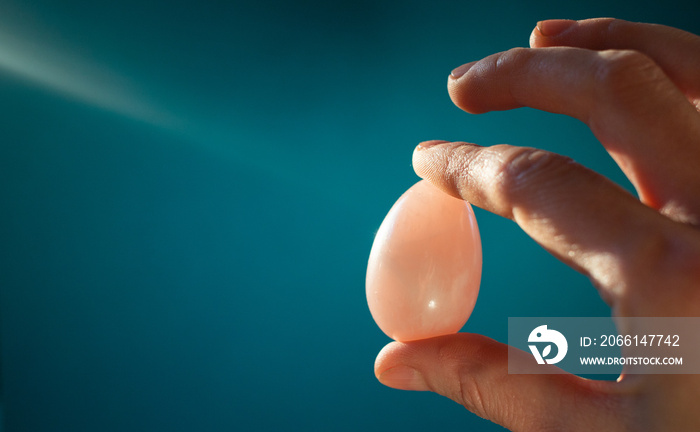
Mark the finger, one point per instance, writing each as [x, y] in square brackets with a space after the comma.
[635, 111]
[677, 52]
[578, 215]
[472, 370]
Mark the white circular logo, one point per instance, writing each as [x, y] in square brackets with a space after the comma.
[542, 335]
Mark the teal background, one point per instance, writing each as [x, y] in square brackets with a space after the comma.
[190, 191]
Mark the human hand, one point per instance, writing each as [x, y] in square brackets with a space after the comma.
[637, 86]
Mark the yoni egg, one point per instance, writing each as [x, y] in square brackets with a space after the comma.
[424, 269]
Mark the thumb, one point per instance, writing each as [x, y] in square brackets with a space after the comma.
[472, 370]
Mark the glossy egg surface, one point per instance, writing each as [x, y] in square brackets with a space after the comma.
[424, 268]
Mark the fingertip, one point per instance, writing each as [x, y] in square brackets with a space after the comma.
[422, 160]
[382, 362]
[445, 166]
[461, 89]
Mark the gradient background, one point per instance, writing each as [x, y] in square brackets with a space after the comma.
[190, 192]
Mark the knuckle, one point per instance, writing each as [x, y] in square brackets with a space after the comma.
[512, 60]
[619, 71]
[472, 396]
[611, 28]
[659, 248]
[477, 395]
[678, 254]
[523, 166]
[470, 388]
[652, 250]
[668, 260]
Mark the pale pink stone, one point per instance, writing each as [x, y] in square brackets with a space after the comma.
[424, 269]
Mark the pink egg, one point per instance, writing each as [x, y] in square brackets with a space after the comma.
[424, 269]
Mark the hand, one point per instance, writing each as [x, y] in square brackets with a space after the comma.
[637, 86]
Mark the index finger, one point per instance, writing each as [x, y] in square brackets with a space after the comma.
[580, 216]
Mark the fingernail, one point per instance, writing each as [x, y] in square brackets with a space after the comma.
[554, 27]
[458, 72]
[403, 378]
[427, 144]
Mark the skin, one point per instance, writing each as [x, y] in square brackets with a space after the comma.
[637, 86]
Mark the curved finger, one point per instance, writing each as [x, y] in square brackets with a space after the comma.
[472, 370]
[677, 52]
[627, 249]
[636, 112]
